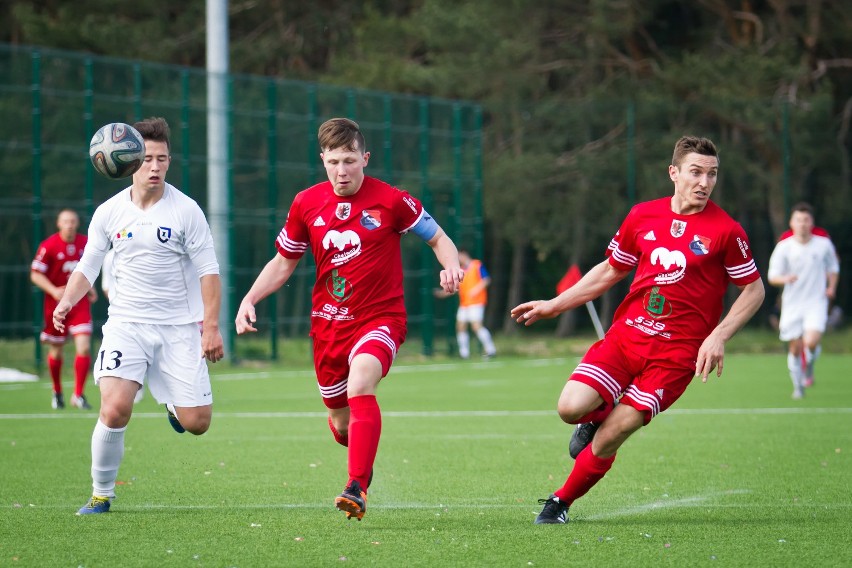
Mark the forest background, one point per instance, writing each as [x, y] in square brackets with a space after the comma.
[771, 76]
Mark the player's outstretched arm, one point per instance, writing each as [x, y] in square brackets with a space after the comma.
[711, 355]
[448, 255]
[592, 285]
[274, 275]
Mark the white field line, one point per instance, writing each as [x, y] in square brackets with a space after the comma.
[444, 413]
[694, 501]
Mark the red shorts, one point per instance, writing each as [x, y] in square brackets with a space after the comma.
[77, 322]
[381, 338]
[616, 372]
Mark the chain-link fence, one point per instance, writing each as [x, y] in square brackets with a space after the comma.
[51, 103]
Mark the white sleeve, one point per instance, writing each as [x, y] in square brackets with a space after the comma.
[96, 248]
[199, 243]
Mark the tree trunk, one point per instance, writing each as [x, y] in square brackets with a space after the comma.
[516, 282]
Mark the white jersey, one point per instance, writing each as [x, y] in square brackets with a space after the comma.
[160, 255]
[107, 279]
[811, 262]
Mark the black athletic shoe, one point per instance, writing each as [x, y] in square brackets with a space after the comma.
[581, 438]
[555, 512]
[58, 401]
[174, 422]
[353, 501]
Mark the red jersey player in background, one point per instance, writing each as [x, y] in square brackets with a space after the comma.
[55, 261]
[353, 225]
[685, 250]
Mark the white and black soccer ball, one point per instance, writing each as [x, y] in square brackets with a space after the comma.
[117, 150]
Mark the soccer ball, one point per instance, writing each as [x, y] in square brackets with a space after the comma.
[117, 150]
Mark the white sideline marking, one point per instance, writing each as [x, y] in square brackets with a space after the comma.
[441, 413]
[659, 505]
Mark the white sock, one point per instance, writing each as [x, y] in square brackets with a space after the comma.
[810, 359]
[794, 365]
[487, 343]
[107, 451]
[464, 344]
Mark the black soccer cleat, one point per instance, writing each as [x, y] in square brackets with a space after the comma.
[555, 512]
[353, 501]
[174, 422]
[581, 438]
[58, 401]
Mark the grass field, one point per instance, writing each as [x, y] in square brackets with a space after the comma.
[736, 474]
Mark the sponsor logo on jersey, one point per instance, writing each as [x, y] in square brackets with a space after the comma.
[319, 222]
[743, 247]
[338, 287]
[371, 219]
[347, 242]
[410, 202]
[68, 266]
[672, 261]
[656, 305]
[700, 245]
[124, 234]
[164, 234]
[649, 236]
[678, 228]
[343, 210]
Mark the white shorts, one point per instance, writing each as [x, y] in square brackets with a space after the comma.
[796, 320]
[168, 357]
[471, 314]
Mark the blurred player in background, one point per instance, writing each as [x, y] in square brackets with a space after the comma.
[353, 225]
[806, 267]
[685, 250]
[56, 259]
[164, 315]
[473, 297]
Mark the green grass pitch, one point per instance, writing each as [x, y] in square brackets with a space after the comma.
[736, 474]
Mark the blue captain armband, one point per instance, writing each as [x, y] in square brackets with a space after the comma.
[426, 227]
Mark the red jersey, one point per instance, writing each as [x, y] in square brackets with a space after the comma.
[355, 241]
[683, 266]
[57, 259]
[818, 231]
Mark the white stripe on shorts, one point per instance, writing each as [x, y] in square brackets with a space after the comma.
[600, 376]
[334, 390]
[649, 401]
[375, 335]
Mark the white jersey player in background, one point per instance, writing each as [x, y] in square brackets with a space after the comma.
[806, 266]
[166, 284]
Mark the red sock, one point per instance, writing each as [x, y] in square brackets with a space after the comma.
[342, 440]
[598, 415]
[588, 470]
[365, 428]
[81, 369]
[55, 367]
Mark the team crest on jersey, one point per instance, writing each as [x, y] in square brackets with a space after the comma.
[371, 219]
[678, 228]
[70, 249]
[164, 234]
[338, 287]
[672, 261]
[343, 211]
[700, 245]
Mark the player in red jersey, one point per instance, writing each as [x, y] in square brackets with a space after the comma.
[53, 264]
[685, 250]
[353, 225]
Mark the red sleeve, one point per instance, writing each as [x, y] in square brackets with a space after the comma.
[407, 210]
[738, 260]
[294, 238]
[623, 252]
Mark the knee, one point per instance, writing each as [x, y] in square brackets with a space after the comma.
[570, 411]
[198, 426]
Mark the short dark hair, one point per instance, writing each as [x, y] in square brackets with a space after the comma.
[155, 128]
[689, 144]
[341, 133]
[804, 208]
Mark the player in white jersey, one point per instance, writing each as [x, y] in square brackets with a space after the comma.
[806, 266]
[164, 315]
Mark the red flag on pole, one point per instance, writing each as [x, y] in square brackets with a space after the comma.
[571, 277]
